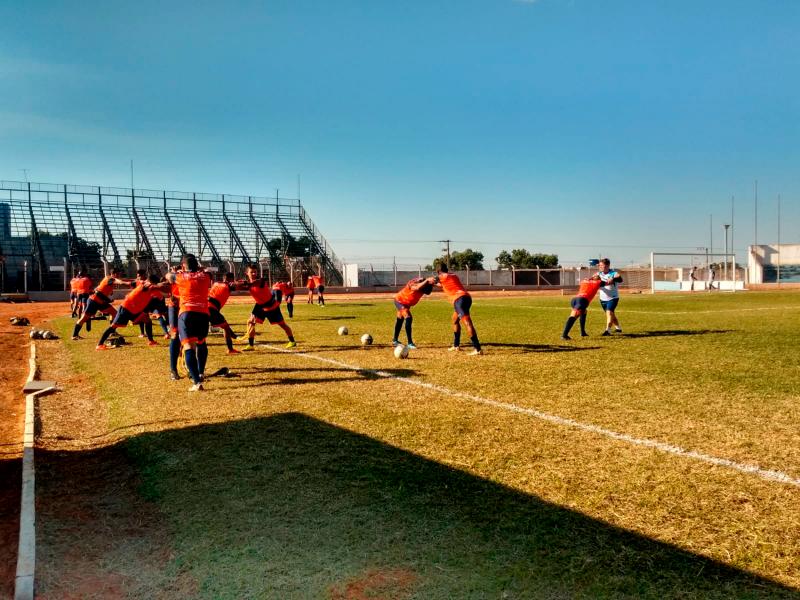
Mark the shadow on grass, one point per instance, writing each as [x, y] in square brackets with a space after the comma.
[288, 506]
[336, 375]
[329, 318]
[671, 333]
[540, 347]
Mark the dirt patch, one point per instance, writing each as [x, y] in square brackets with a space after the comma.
[377, 584]
[15, 351]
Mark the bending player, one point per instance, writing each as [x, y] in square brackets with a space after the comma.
[287, 292]
[586, 293]
[409, 296]
[462, 301]
[99, 301]
[319, 282]
[133, 310]
[83, 287]
[217, 297]
[267, 307]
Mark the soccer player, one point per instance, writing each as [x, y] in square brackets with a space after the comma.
[609, 295]
[99, 301]
[73, 296]
[287, 292]
[462, 301]
[83, 287]
[267, 307]
[193, 319]
[319, 282]
[173, 310]
[217, 297]
[311, 284]
[409, 296]
[586, 293]
[133, 310]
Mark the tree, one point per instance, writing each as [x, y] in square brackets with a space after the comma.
[520, 258]
[460, 261]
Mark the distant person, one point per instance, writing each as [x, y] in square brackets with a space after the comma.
[267, 307]
[580, 303]
[99, 301]
[406, 298]
[692, 278]
[287, 292]
[73, 296]
[462, 301]
[133, 310]
[217, 298]
[319, 282]
[609, 295]
[311, 284]
[712, 277]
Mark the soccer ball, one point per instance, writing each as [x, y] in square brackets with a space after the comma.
[401, 351]
[49, 335]
[343, 330]
[366, 340]
[35, 334]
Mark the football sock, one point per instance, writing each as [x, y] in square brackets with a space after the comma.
[568, 325]
[163, 322]
[398, 325]
[583, 324]
[457, 338]
[228, 341]
[105, 335]
[290, 309]
[76, 330]
[89, 324]
[148, 330]
[475, 342]
[174, 353]
[141, 328]
[251, 341]
[408, 328]
[202, 357]
[190, 356]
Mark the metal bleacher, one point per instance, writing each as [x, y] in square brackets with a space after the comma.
[49, 231]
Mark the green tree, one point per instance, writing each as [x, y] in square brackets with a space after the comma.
[460, 261]
[520, 258]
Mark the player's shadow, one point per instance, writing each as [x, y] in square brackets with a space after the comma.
[327, 318]
[296, 507]
[672, 333]
[526, 348]
[335, 375]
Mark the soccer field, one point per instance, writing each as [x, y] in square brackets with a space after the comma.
[661, 463]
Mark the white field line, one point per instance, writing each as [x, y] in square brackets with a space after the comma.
[652, 312]
[26, 550]
[767, 474]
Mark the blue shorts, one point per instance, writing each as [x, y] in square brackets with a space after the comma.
[172, 318]
[123, 317]
[192, 327]
[274, 316]
[579, 303]
[215, 317]
[462, 305]
[93, 307]
[609, 304]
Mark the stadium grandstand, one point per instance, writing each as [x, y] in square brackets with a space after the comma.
[50, 231]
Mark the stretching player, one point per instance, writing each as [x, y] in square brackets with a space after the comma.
[73, 296]
[193, 287]
[83, 287]
[133, 310]
[217, 297]
[287, 292]
[173, 309]
[267, 307]
[409, 296]
[609, 295]
[311, 284]
[586, 293]
[99, 301]
[319, 282]
[462, 301]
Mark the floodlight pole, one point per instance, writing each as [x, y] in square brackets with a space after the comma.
[779, 239]
[652, 273]
[725, 274]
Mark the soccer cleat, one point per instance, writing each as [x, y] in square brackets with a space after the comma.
[475, 352]
[395, 343]
[102, 347]
[566, 338]
[606, 332]
[152, 343]
[454, 349]
[141, 335]
[234, 351]
[411, 346]
[75, 338]
[618, 330]
[197, 387]
[248, 348]
[584, 334]
[174, 376]
[291, 345]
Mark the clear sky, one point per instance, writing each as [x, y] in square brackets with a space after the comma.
[571, 126]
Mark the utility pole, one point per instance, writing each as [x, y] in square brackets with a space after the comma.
[25, 172]
[131, 174]
[732, 250]
[755, 220]
[725, 275]
[779, 239]
[446, 250]
[711, 234]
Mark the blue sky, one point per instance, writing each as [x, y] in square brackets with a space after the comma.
[568, 126]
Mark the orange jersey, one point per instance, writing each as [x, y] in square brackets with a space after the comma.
[312, 282]
[174, 296]
[318, 280]
[262, 294]
[157, 295]
[220, 292]
[105, 291]
[73, 285]
[193, 290]
[408, 296]
[138, 298]
[452, 286]
[84, 285]
[287, 289]
[588, 288]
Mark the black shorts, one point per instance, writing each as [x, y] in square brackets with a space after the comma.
[157, 305]
[289, 298]
[274, 316]
[192, 327]
[579, 303]
[123, 317]
[320, 289]
[215, 317]
[93, 307]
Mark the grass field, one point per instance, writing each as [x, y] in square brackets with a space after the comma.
[331, 472]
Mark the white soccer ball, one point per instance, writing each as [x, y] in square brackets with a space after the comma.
[35, 334]
[401, 351]
[366, 340]
[48, 335]
[343, 330]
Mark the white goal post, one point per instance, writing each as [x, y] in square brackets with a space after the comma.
[680, 284]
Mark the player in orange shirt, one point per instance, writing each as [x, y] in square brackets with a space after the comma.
[73, 296]
[193, 319]
[99, 301]
[462, 301]
[217, 297]
[319, 282]
[586, 293]
[311, 284]
[267, 307]
[409, 296]
[83, 287]
[287, 293]
[133, 310]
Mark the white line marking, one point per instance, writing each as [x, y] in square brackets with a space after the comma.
[26, 549]
[653, 312]
[767, 474]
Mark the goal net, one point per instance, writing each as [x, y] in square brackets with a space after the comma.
[692, 272]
